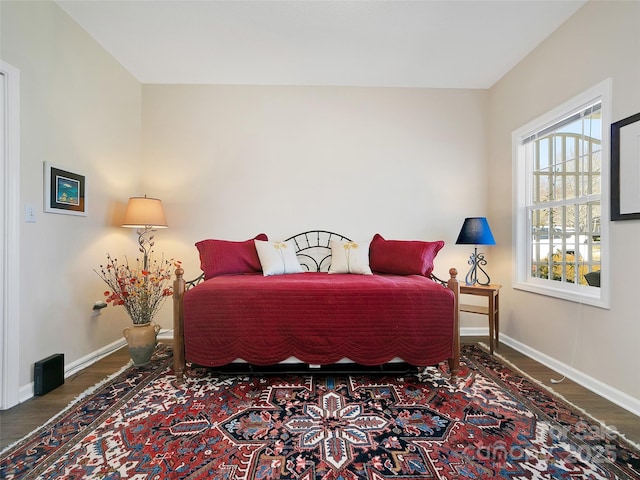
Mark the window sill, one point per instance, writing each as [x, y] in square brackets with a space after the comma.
[581, 294]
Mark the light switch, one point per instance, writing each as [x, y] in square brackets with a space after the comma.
[30, 214]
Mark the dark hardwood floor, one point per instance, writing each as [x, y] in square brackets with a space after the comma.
[20, 420]
[607, 412]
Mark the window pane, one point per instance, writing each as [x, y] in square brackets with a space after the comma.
[563, 238]
[541, 185]
[591, 168]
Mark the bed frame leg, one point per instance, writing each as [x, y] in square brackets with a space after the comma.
[178, 325]
[454, 368]
[454, 286]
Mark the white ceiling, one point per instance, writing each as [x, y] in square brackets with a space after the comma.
[428, 43]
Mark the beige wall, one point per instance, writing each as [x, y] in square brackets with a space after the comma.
[228, 162]
[602, 40]
[235, 161]
[80, 110]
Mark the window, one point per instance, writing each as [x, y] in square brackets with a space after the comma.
[561, 170]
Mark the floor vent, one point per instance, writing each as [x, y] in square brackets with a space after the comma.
[48, 374]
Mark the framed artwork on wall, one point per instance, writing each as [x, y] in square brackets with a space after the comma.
[64, 191]
[625, 168]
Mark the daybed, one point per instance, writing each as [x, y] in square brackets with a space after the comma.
[242, 309]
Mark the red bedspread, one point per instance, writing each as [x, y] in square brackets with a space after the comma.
[319, 318]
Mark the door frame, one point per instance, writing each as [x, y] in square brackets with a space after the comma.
[10, 237]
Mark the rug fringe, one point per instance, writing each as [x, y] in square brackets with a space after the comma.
[521, 372]
[73, 402]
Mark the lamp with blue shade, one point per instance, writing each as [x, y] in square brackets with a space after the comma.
[476, 231]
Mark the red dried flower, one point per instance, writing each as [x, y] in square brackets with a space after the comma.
[141, 291]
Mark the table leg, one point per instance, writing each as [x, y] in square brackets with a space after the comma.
[492, 322]
[497, 318]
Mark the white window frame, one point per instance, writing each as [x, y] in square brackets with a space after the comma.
[522, 172]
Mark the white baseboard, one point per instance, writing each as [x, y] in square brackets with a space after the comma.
[166, 334]
[596, 386]
[474, 331]
[26, 391]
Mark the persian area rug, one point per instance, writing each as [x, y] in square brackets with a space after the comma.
[492, 422]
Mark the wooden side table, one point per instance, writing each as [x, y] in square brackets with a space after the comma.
[492, 292]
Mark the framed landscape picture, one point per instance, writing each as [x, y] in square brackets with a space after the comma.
[64, 191]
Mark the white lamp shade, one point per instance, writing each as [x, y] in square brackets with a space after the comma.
[143, 212]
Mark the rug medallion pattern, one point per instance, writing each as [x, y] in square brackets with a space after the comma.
[489, 423]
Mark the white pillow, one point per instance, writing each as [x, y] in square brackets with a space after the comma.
[277, 258]
[350, 257]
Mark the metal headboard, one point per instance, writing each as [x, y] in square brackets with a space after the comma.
[313, 248]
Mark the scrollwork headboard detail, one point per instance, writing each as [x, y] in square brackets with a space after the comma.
[313, 248]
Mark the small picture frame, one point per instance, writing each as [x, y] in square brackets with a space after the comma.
[64, 191]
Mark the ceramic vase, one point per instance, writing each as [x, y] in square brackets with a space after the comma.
[142, 341]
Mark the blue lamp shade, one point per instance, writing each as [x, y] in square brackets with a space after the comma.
[475, 231]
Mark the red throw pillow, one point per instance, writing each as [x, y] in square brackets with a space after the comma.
[403, 257]
[224, 257]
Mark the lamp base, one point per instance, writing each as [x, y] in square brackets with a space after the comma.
[477, 261]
